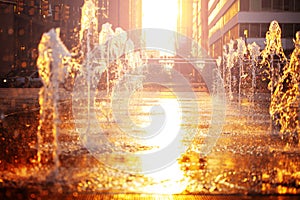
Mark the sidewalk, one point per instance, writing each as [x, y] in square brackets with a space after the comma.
[16, 99]
[23, 99]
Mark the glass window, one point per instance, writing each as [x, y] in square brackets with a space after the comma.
[234, 32]
[233, 10]
[255, 5]
[244, 5]
[254, 30]
[297, 28]
[242, 28]
[287, 30]
[297, 5]
[226, 38]
[266, 5]
[288, 5]
[277, 5]
[264, 29]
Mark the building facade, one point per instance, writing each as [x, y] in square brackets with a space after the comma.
[22, 23]
[126, 14]
[200, 24]
[193, 23]
[7, 37]
[184, 27]
[231, 19]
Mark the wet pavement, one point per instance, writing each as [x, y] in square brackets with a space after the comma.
[246, 161]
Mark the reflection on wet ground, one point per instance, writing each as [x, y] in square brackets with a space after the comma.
[245, 160]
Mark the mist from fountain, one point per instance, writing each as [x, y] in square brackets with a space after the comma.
[53, 56]
[54, 63]
[285, 104]
[241, 52]
[254, 51]
[143, 140]
[273, 62]
[273, 65]
[229, 57]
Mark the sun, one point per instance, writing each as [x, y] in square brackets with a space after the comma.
[160, 14]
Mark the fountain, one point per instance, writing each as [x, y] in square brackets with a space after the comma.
[285, 99]
[132, 126]
[120, 119]
[275, 67]
[125, 74]
[229, 60]
[130, 76]
[254, 51]
[241, 52]
[138, 125]
[273, 61]
[51, 63]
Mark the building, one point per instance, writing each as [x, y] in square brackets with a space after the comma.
[192, 23]
[22, 23]
[200, 25]
[66, 14]
[126, 14]
[231, 19]
[7, 36]
[184, 27]
[185, 17]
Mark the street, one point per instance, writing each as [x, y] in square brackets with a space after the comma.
[246, 159]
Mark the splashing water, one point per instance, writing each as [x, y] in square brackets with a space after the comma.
[53, 62]
[89, 22]
[273, 61]
[101, 114]
[254, 51]
[52, 54]
[273, 55]
[274, 67]
[104, 122]
[285, 101]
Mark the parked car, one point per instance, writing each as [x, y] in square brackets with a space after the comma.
[35, 80]
[22, 78]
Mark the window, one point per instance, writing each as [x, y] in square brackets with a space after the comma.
[288, 5]
[232, 11]
[226, 37]
[254, 30]
[234, 32]
[277, 5]
[297, 28]
[287, 30]
[255, 5]
[297, 5]
[264, 29]
[266, 5]
[244, 5]
[242, 28]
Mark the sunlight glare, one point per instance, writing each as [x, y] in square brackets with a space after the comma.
[170, 180]
[171, 127]
[161, 15]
